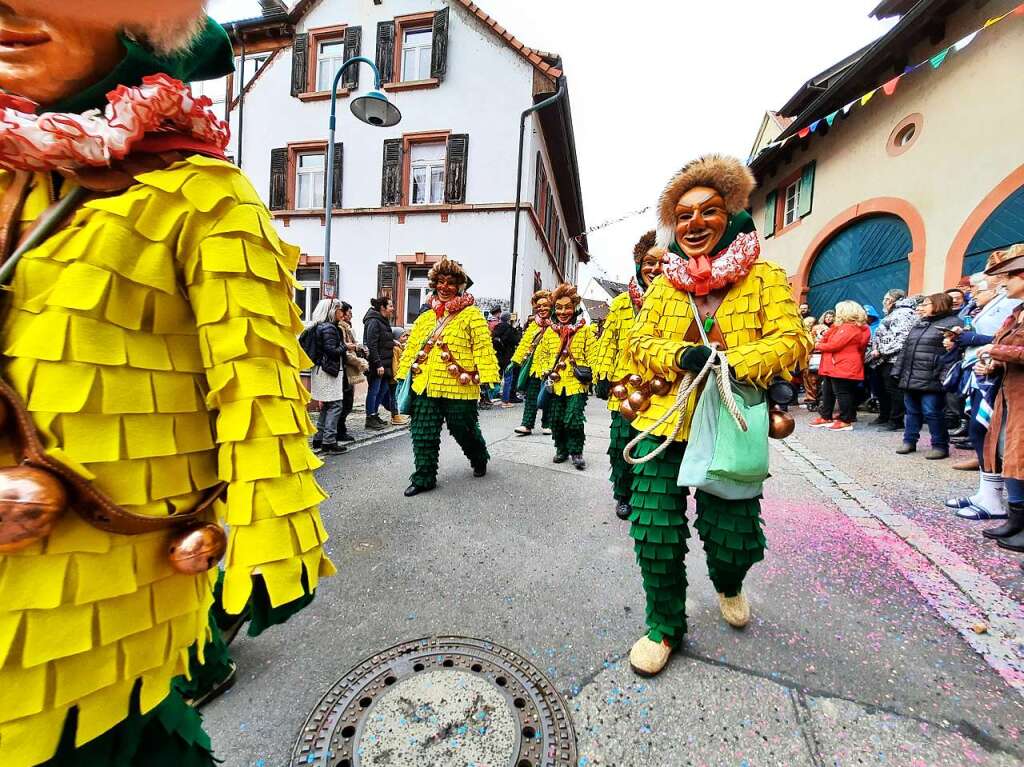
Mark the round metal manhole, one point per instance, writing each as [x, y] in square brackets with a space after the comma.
[440, 702]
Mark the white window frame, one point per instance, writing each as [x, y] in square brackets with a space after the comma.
[416, 73]
[791, 203]
[420, 284]
[336, 62]
[309, 300]
[427, 169]
[253, 63]
[300, 174]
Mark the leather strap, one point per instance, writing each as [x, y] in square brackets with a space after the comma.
[10, 208]
[708, 306]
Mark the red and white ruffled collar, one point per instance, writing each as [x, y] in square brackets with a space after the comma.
[728, 267]
[94, 139]
[568, 328]
[636, 293]
[454, 306]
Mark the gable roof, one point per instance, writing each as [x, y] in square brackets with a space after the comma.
[611, 287]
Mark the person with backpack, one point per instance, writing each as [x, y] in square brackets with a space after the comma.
[325, 346]
[380, 344]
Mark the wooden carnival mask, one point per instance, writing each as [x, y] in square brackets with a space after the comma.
[565, 308]
[542, 309]
[650, 265]
[701, 220]
[46, 56]
[447, 287]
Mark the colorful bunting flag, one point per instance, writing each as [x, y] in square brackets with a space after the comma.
[963, 42]
[804, 132]
[1019, 10]
[867, 97]
[938, 58]
[813, 126]
[890, 87]
[831, 118]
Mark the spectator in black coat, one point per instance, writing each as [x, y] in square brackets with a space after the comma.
[920, 369]
[379, 341]
[328, 381]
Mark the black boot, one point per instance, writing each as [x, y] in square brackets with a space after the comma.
[1012, 542]
[623, 510]
[1013, 525]
[416, 490]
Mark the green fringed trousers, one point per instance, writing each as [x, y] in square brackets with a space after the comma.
[530, 393]
[730, 531]
[622, 473]
[568, 416]
[428, 415]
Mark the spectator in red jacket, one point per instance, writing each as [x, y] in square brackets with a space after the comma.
[842, 365]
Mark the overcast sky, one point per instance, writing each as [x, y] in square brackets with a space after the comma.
[698, 79]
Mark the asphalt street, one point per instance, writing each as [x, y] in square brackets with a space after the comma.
[885, 631]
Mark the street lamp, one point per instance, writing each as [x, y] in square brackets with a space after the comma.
[372, 109]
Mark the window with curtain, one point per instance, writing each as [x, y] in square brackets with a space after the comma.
[330, 55]
[426, 173]
[309, 180]
[417, 47]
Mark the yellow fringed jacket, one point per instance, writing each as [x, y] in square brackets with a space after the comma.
[469, 340]
[584, 350]
[613, 360]
[760, 323]
[154, 342]
[527, 345]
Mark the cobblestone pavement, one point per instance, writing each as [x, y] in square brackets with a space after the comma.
[885, 630]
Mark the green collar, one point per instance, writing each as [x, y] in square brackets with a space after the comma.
[739, 223]
[209, 56]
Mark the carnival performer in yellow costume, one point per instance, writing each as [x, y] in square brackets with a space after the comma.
[565, 357]
[523, 360]
[150, 337]
[745, 307]
[614, 368]
[449, 355]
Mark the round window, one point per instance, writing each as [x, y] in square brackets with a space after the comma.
[904, 135]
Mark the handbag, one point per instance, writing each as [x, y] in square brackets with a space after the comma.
[524, 372]
[546, 393]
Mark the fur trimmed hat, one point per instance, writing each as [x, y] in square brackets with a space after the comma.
[169, 36]
[644, 244]
[730, 177]
[451, 269]
[565, 290]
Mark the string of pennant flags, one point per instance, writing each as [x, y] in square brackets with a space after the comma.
[889, 87]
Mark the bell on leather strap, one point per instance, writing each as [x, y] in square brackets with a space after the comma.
[422, 356]
[660, 387]
[31, 503]
[453, 369]
[476, 378]
[555, 377]
[619, 391]
[639, 401]
[465, 379]
[626, 410]
[197, 548]
[560, 366]
[635, 381]
[416, 369]
[446, 357]
[780, 423]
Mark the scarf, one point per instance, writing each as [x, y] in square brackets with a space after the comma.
[636, 293]
[568, 329]
[161, 108]
[454, 306]
[738, 249]
[541, 323]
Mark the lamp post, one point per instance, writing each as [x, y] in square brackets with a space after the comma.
[372, 109]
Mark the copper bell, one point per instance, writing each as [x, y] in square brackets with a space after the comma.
[560, 366]
[619, 391]
[446, 356]
[465, 379]
[453, 369]
[416, 369]
[626, 410]
[197, 549]
[639, 401]
[555, 377]
[31, 502]
[476, 378]
[780, 423]
[635, 381]
[660, 386]
[422, 356]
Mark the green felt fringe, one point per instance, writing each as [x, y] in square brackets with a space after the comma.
[428, 415]
[732, 537]
[621, 433]
[568, 415]
[530, 393]
[171, 735]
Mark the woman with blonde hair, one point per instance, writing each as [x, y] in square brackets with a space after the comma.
[842, 365]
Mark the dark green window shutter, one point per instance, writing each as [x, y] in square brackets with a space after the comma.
[300, 63]
[278, 179]
[353, 44]
[806, 189]
[769, 213]
[455, 172]
[387, 277]
[336, 181]
[391, 175]
[439, 54]
[386, 50]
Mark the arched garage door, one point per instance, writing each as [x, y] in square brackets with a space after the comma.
[1003, 227]
[861, 263]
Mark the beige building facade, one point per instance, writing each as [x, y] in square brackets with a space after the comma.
[910, 189]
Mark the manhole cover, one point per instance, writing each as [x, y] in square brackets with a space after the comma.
[440, 702]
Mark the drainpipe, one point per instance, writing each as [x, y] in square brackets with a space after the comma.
[241, 101]
[519, 182]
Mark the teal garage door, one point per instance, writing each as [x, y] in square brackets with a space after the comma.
[860, 263]
[1004, 227]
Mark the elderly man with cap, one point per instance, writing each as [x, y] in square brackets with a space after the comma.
[713, 280]
[150, 357]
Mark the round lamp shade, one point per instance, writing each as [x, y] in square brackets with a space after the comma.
[375, 109]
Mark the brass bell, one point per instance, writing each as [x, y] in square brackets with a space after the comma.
[446, 357]
[619, 391]
[197, 549]
[660, 386]
[780, 423]
[555, 377]
[416, 369]
[639, 401]
[626, 410]
[560, 366]
[453, 369]
[635, 381]
[465, 379]
[31, 503]
[476, 378]
[422, 356]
